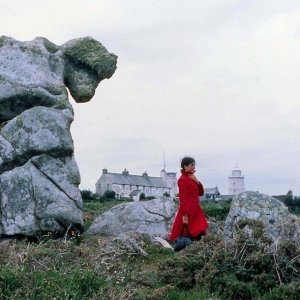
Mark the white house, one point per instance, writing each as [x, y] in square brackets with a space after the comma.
[126, 185]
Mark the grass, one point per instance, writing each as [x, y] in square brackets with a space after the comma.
[79, 269]
[59, 269]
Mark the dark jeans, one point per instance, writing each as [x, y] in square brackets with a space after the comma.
[182, 242]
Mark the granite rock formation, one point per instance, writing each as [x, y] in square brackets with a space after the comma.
[150, 217]
[39, 176]
[278, 223]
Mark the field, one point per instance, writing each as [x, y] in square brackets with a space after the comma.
[209, 269]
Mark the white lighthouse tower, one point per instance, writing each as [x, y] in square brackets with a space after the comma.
[236, 181]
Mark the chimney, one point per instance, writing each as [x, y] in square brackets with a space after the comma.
[125, 172]
[163, 174]
[104, 171]
[145, 174]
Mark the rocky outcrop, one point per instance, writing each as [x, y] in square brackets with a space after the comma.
[278, 223]
[39, 176]
[153, 217]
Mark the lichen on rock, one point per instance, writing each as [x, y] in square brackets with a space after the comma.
[249, 209]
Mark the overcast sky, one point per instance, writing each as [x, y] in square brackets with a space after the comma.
[215, 79]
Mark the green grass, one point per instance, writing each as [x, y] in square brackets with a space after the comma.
[49, 284]
[192, 295]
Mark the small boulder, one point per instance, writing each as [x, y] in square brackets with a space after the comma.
[128, 243]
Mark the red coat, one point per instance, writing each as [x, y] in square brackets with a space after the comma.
[189, 204]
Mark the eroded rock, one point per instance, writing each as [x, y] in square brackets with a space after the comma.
[39, 176]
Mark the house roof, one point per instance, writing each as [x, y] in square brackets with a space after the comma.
[137, 180]
[214, 190]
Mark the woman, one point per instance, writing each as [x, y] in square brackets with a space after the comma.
[190, 219]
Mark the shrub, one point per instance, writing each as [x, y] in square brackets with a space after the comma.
[109, 194]
[142, 196]
[289, 291]
[246, 268]
[86, 194]
[219, 211]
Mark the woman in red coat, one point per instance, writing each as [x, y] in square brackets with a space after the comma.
[190, 219]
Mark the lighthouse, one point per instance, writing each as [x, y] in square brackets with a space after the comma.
[236, 181]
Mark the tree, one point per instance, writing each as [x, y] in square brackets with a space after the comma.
[289, 199]
[290, 194]
[297, 205]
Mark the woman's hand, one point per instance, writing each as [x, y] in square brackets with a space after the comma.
[185, 219]
[192, 176]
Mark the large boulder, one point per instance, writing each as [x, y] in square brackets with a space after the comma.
[39, 176]
[33, 202]
[278, 223]
[152, 217]
[35, 131]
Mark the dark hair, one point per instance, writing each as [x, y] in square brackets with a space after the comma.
[186, 161]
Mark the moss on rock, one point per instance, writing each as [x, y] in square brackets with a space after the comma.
[89, 52]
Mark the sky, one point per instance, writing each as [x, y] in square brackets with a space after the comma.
[218, 80]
